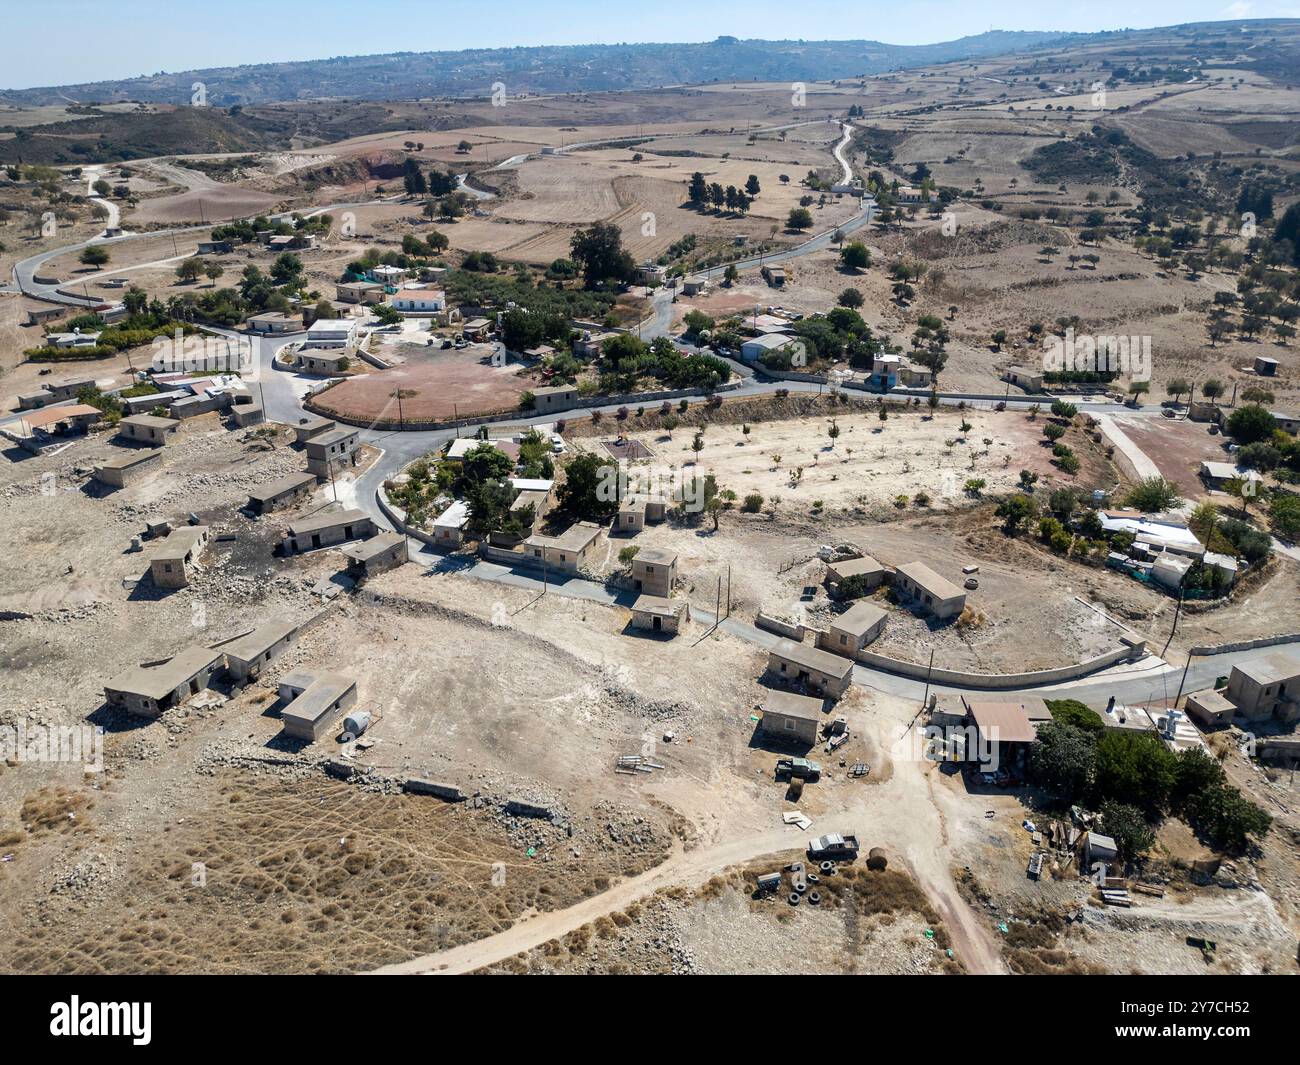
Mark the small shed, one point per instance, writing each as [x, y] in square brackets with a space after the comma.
[315, 703]
[1209, 708]
[147, 429]
[864, 566]
[1099, 848]
[792, 718]
[851, 631]
[655, 613]
[379, 553]
[818, 670]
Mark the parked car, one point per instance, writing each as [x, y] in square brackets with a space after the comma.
[801, 768]
[833, 846]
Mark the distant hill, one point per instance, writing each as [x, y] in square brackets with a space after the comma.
[549, 69]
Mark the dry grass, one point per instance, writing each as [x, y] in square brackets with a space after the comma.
[307, 878]
[56, 809]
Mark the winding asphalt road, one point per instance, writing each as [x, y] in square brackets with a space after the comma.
[282, 392]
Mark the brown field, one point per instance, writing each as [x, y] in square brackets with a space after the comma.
[444, 383]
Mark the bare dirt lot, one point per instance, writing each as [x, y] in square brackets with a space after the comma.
[435, 386]
[797, 464]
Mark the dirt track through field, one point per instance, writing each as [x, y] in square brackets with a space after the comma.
[916, 829]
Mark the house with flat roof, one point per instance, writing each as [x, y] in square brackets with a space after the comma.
[1166, 534]
[282, 492]
[791, 718]
[654, 571]
[75, 339]
[324, 361]
[1287, 420]
[865, 567]
[146, 404]
[332, 333]
[172, 559]
[359, 292]
[389, 275]
[656, 613]
[462, 446]
[274, 323]
[1024, 377]
[379, 553]
[312, 425]
[332, 450]
[914, 375]
[127, 468]
[630, 518]
[35, 399]
[70, 389]
[248, 654]
[919, 584]
[535, 499]
[851, 631]
[245, 414]
[1218, 474]
[148, 690]
[1267, 688]
[554, 397]
[449, 526]
[40, 315]
[1209, 708]
[755, 348]
[567, 552]
[327, 528]
[587, 345]
[314, 703]
[803, 666]
[635, 512]
[147, 429]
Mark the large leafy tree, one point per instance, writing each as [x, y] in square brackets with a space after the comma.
[484, 463]
[1062, 761]
[599, 252]
[1250, 424]
[1153, 495]
[585, 494]
[1128, 827]
[1135, 768]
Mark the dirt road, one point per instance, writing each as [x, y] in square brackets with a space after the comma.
[902, 814]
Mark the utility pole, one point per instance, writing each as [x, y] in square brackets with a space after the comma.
[333, 486]
[1177, 611]
[1183, 679]
[728, 589]
[925, 699]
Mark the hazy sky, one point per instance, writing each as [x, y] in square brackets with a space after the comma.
[56, 42]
